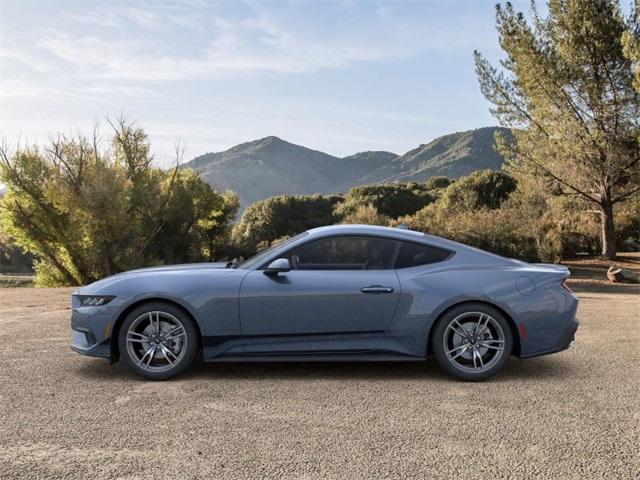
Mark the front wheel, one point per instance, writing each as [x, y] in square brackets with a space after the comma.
[158, 341]
[472, 342]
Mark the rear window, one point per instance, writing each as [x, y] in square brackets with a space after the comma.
[415, 254]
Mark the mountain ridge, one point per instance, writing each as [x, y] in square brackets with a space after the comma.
[272, 166]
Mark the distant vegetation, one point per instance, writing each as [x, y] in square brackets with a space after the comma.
[486, 209]
[568, 94]
[271, 166]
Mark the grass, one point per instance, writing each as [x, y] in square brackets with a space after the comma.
[17, 280]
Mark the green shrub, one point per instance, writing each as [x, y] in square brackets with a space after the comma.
[491, 230]
[276, 217]
[366, 215]
[436, 183]
[484, 188]
[391, 199]
[85, 214]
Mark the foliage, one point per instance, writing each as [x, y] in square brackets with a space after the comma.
[8, 281]
[196, 222]
[12, 258]
[281, 216]
[492, 230]
[86, 212]
[523, 221]
[365, 215]
[484, 188]
[437, 182]
[473, 210]
[390, 199]
[567, 90]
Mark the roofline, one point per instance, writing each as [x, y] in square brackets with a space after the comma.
[404, 234]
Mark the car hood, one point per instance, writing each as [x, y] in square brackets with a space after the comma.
[185, 266]
[100, 285]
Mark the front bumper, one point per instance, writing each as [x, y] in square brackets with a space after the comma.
[91, 328]
[83, 342]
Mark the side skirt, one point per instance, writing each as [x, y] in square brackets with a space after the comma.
[321, 357]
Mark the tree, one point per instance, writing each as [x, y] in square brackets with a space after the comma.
[484, 188]
[566, 89]
[366, 215]
[85, 212]
[267, 220]
[631, 42]
[389, 199]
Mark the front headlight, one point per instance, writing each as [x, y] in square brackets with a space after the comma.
[94, 300]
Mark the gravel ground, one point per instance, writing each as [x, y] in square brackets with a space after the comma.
[575, 414]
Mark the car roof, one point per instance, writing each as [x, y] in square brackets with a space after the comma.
[366, 229]
[405, 234]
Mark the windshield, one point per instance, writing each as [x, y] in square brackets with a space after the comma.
[259, 257]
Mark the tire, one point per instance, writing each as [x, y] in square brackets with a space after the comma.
[158, 353]
[472, 341]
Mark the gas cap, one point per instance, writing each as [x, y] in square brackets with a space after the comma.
[525, 285]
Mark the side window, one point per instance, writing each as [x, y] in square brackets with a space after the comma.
[414, 254]
[344, 253]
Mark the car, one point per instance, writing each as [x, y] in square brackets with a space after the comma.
[335, 293]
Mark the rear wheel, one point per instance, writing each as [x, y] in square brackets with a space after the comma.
[158, 341]
[472, 342]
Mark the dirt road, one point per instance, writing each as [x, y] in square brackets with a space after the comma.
[571, 415]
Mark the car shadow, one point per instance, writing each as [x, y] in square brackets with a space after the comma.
[517, 369]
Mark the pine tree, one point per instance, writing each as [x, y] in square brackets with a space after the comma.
[566, 88]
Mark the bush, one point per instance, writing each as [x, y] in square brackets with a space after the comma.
[484, 188]
[436, 183]
[391, 200]
[366, 215]
[276, 217]
[491, 230]
[86, 214]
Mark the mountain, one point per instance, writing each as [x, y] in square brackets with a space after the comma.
[266, 167]
[271, 166]
[453, 155]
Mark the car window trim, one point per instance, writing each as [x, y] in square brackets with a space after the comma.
[451, 253]
[391, 266]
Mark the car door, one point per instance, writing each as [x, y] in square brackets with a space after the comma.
[339, 296]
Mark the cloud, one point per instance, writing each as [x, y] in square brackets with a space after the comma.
[222, 47]
[315, 69]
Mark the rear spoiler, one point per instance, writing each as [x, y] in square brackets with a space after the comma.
[554, 266]
[561, 269]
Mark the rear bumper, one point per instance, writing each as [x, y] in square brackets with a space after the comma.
[565, 339]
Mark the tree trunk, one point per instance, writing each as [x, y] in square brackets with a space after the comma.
[608, 229]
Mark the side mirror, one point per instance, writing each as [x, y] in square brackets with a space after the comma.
[277, 266]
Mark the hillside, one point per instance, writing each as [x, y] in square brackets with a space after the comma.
[453, 155]
[271, 166]
[266, 167]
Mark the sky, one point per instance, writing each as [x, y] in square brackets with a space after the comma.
[338, 76]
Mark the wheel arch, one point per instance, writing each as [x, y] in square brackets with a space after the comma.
[512, 324]
[115, 332]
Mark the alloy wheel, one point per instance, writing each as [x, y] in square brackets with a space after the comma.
[156, 341]
[474, 342]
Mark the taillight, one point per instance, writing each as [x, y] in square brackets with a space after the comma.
[566, 286]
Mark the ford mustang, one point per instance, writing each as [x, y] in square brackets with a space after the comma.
[337, 293]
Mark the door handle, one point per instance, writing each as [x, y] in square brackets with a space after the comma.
[376, 289]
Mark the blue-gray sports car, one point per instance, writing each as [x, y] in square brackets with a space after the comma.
[344, 292]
